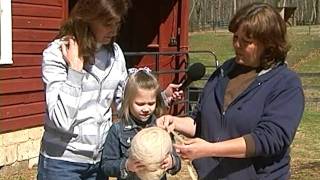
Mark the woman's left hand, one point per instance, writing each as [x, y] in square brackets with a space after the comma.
[173, 93]
[193, 149]
[70, 51]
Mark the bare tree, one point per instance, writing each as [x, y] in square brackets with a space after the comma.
[284, 3]
[234, 6]
[317, 6]
[205, 13]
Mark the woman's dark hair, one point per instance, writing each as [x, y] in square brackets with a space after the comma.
[109, 13]
[262, 22]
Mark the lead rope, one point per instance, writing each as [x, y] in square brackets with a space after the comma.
[189, 165]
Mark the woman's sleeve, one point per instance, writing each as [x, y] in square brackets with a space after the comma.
[62, 88]
[122, 77]
[282, 115]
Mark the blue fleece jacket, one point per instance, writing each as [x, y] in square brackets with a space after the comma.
[269, 110]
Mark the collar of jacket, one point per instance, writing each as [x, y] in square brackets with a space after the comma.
[133, 125]
[225, 68]
[262, 76]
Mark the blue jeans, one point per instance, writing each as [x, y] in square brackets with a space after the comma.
[51, 169]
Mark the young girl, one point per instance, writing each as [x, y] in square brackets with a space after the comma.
[142, 103]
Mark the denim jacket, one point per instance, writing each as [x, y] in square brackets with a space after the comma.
[116, 148]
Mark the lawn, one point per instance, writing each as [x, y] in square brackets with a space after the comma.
[301, 41]
[306, 148]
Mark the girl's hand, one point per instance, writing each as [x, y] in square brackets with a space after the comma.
[134, 165]
[167, 163]
[193, 149]
[166, 122]
[70, 51]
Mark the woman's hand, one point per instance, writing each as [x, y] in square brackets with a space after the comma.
[173, 93]
[134, 165]
[70, 51]
[166, 122]
[167, 163]
[193, 149]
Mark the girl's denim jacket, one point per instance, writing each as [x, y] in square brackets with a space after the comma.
[116, 148]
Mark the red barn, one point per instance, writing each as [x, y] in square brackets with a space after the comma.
[155, 34]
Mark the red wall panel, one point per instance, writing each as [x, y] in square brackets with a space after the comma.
[21, 98]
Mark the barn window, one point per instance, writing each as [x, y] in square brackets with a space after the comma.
[6, 32]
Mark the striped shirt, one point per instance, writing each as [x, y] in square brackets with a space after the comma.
[78, 112]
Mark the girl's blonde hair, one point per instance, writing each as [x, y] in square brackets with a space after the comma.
[141, 79]
[109, 13]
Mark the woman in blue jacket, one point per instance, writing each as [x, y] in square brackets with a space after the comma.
[250, 107]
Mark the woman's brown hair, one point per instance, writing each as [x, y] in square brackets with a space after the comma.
[107, 12]
[262, 22]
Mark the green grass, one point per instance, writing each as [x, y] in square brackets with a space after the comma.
[302, 43]
[219, 42]
[310, 63]
[305, 151]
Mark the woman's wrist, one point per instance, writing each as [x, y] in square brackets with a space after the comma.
[77, 66]
[184, 125]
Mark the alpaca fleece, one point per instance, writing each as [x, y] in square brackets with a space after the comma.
[151, 146]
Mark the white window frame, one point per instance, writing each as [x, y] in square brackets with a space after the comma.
[6, 32]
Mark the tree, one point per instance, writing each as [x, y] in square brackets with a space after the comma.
[317, 11]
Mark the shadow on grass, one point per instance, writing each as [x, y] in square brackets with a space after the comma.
[308, 166]
[305, 170]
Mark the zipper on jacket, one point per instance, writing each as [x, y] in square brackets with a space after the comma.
[99, 122]
[243, 94]
[222, 122]
[99, 93]
[223, 115]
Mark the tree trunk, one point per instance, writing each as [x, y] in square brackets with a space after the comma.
[219, 10]
[284, 3]
[317, 7]
[234, 6]
[192, 8]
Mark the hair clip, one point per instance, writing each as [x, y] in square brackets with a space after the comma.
[133, 71]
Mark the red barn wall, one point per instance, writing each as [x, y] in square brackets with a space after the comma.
[149, 27]
[34, 24]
